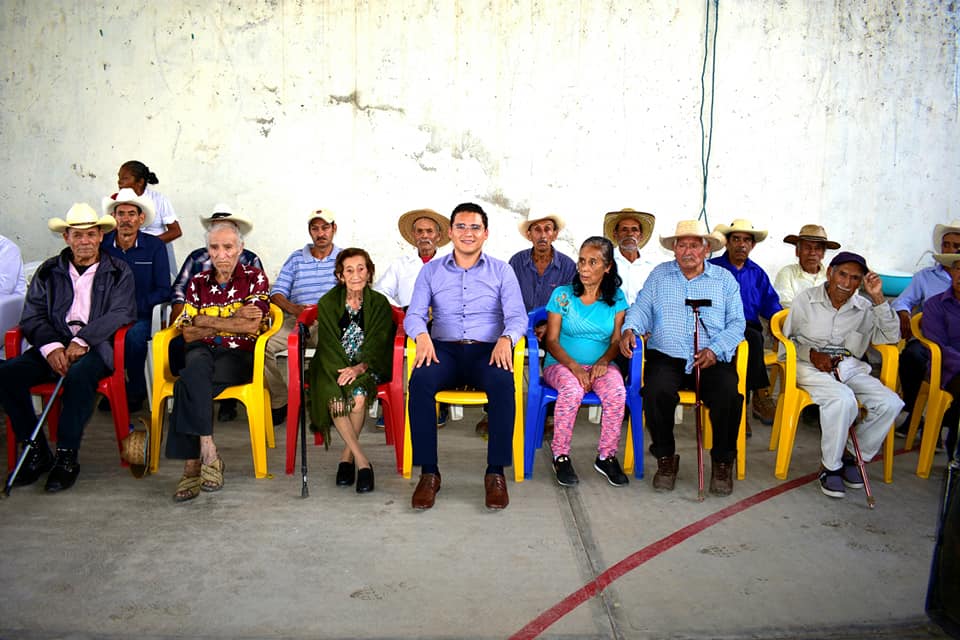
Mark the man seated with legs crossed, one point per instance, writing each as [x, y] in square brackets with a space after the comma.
[478, 316]
[832, 326]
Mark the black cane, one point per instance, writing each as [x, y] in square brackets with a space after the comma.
[32, 442]
[303, 331]
[695, 304]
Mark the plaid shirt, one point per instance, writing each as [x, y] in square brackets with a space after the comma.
[247, 285]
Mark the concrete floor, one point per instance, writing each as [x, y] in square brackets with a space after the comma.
[114, 557]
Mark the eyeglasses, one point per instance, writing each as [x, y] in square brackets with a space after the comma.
[461, 227]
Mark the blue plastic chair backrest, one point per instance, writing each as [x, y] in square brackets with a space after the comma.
[535, 317]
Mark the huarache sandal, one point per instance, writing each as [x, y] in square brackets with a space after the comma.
[187, 489]
[212, 475]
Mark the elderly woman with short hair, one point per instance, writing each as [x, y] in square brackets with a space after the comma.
[354, 339]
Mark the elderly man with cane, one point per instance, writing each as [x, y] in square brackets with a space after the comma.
[832, 326]
[674, 297]
[76, 302]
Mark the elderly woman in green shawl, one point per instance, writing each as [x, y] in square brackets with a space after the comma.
[354, 343]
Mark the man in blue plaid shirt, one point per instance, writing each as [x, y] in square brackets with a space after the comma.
[661, 313]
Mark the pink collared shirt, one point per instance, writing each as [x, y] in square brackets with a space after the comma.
[80, 308]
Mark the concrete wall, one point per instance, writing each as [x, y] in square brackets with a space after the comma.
[843, 112]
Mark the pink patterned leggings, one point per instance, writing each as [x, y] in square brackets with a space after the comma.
[609, 388]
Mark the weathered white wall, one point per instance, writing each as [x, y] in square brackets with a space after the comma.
[840, 112]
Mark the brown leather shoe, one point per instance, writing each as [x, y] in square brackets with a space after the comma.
[666, 475]
[496, 486]
[426, 492]
[721, 479]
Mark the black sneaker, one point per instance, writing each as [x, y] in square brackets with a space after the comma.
[831, 483]
[566, 476]
[610, 468]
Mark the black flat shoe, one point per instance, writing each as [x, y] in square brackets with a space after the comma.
[346, 472]
[365, 480]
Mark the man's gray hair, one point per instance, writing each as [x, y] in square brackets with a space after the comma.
[225, 224]
[705, 242]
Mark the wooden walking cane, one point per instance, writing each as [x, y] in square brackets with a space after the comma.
[871, 501]
[695, 305]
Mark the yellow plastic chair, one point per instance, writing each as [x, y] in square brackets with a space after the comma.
[471, 398]
[254, 395]
[934, 398]
[689, 398]
[793, 399]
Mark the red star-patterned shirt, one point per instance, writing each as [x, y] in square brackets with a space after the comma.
[247, 285]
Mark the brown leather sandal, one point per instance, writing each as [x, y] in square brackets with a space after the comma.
[212, 475]
[187, 489]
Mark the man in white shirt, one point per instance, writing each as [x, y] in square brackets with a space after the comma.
[832, 326]
[811, 245]
[426, 230]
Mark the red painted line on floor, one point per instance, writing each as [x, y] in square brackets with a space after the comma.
[542, 622]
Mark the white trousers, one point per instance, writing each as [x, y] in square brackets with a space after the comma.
[839, 408]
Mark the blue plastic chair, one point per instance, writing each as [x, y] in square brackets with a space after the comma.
[539, 395]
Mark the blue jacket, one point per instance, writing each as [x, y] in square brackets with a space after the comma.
[112, 304]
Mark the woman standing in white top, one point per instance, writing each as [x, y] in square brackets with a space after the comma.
[135, 175]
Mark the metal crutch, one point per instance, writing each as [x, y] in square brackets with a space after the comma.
[695, 305]
[32, 442]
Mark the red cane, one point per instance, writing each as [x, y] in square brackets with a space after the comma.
[695, 305]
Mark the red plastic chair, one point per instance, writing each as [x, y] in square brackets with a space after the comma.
[389, 394]
[113, 386]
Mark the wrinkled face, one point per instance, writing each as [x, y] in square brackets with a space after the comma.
[690, 252]
[950, 243]
[129, 219]
[321, 233]
[85, 244]
[843, 281]
[628, 233]
[355, 273]
[125, 180]
[590, 265]
[427, 235]
[739, 246]
[810, 254]
[542, 234]
[468, 233]
[224, 246]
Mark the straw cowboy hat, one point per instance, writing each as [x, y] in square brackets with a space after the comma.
[128, 196]
[697, 229]
[135, 449]
[536, 216]
[813, 233]
[741, 225]
[81, 216]
[947, 259]
[613, 218]
[943, 229]
[224, 213]
[405, 225]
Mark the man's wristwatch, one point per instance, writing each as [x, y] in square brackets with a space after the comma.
[509, 339]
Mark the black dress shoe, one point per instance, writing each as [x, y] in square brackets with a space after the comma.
[65, 471]
[346, 472]
[38, 462]
[365, 480]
